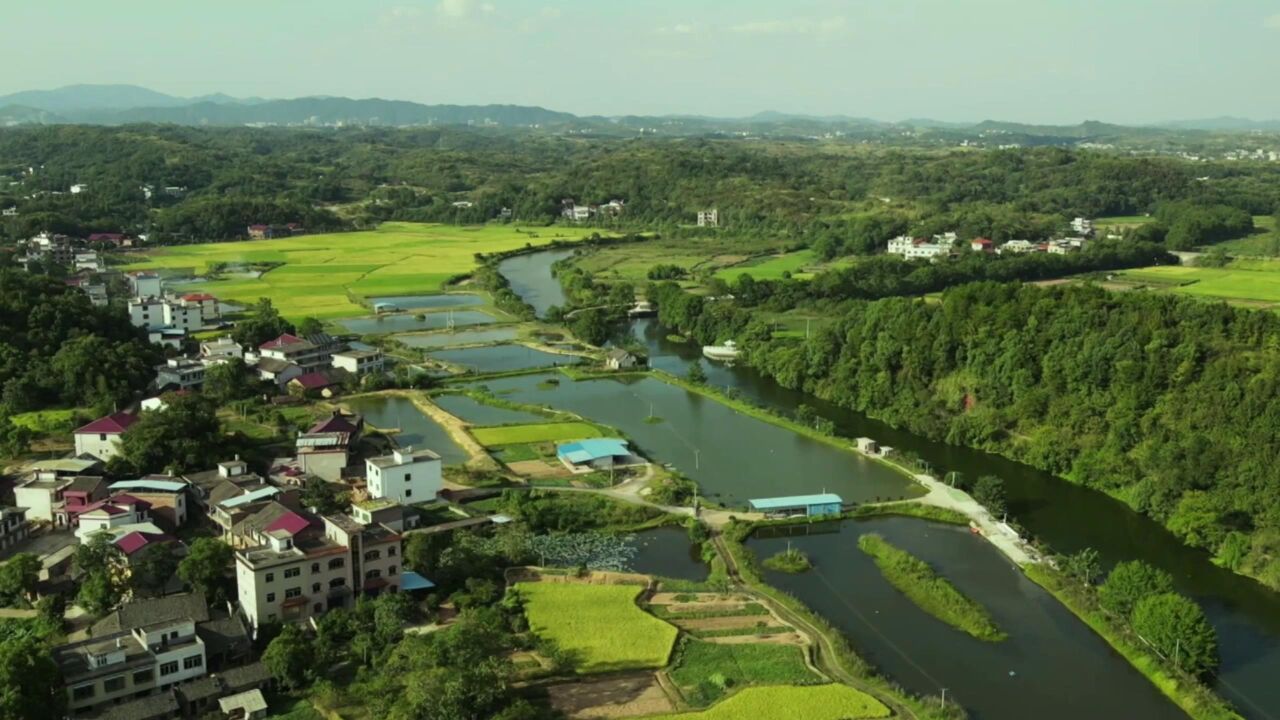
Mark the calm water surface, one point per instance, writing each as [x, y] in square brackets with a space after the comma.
[499, 358]
[478, 413]
[461, 337]
[405, 322]
[416, 429]
[530, 278]
[667, 551]
[414, 302]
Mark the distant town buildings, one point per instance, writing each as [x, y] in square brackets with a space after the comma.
[709, 218]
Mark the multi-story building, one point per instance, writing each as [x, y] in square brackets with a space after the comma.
[359, 362]
[130, 663]
[374, 551]
[292, 573]
[180, 373]
[210, 312]
[101, 438]
[168, 497]
[145, 284]
[709, 218]
[406, 476]
[14, 527]
[182, 315]
[147, 312]
[223, 348]
[1017, 246]
[303, 353]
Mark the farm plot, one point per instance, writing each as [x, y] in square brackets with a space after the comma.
[616, 696]
[600, 626]
[1246, 282]
[535, 433]
[325, 275]
[818, 702]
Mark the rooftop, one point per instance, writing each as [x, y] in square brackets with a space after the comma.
[795, 501]
[112, 424]
[594, 449]
[148, 484]
[409, 455]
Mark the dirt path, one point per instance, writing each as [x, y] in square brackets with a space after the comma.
[455, 427]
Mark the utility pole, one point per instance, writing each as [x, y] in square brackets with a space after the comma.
[1177, 649]
[943, 704]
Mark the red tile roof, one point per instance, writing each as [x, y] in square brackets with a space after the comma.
[290, 522]
[198, 297]
[283, 340]
[131, 543]
[334, 424]
[112, 424]
[313, 381]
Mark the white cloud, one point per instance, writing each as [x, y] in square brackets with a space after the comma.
[795, 26]
[454, 8]
[1272, 22]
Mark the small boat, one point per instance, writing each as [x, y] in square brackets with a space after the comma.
[728, 352]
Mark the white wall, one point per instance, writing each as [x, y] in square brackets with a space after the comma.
[422, 483]
[38, 502]
[102, 446]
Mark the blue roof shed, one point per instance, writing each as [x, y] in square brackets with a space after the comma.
[821, 504]
[587, 451]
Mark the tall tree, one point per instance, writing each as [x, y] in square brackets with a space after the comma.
[152, 569]
[31, 683]
[206, 566]
[264, 323]
[105, 574]
[1129, 583]
[183, 436]
[1177, 628]
[288, 657]
[18, 578]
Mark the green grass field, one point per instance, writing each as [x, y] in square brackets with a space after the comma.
[802, 264]
[536, 432]
[601, 625]
[51, 421]
[737, 665]
[321, 271]
[1250, 282]
[817, 702]
[1120, 222]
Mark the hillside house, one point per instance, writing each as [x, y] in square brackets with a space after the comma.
[406, 476]
[709, 218]
[101, 438]
[359, 362]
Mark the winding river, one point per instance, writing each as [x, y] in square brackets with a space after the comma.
[1066, 516]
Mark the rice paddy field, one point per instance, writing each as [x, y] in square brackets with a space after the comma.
[1254, 283]
[601, 625]
[325, 276]
[536, 432]
[801, 264]
[818, 702]
[632, 261]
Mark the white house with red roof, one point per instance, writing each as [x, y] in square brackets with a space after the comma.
[293, 349]
[981, 244]
[115, 512]
[101, 438]
[208, 305]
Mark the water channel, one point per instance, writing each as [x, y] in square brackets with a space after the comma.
[1066, 516]
[416, 302]
[530, 278]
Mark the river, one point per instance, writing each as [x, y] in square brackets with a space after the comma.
[1066, 516]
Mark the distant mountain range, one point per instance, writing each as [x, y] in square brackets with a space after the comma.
[120, 104]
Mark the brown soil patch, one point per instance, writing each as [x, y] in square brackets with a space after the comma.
[721, 623]
[614, 697]
[669, 598]
[774, 639]
[539, 469]
[706, 607]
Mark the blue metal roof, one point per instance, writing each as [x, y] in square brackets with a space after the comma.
[793, 501]
[587, 450]
[410, 580]
[166, 485]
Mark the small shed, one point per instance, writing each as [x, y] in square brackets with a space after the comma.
[811, 505]
[248, 705]
[593, 454]
[619, 359]
[385, 307]
[868, 446]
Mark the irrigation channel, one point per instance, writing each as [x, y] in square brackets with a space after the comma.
[1067, 517]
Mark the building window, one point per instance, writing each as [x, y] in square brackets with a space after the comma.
[315, 567]
[169, 668]
[194, 661]
[408, 477]
[292, 572]
[337, 582]
[318, 607]
[408, 492]
[84, 692]
[372, 555]
[271, 597]
[115, 684]
[391, 570]
[144, 676]
[271, 577]
[391, 551]
[373, 574]
[336, 563]
[315, 587]
[293, 592]
[102, 437]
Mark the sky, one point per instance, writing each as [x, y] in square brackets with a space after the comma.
[1042, 61]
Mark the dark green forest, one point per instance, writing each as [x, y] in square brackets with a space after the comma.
[839, 198]
[1169, 403]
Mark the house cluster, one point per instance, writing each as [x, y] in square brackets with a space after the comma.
[572, 211]
[269, 232]
[87, 268]
[169, 317]
[948, 244]
[316, 364]
[171, 656]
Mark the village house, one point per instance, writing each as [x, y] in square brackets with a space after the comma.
[324, 449]
[1017, 246]
[359, 362]
[55, 499]
[223, 348]
[101, 438]
[374, 552]
[317, 383]
[619, 359]
[228, 479]
[305, 354]
[279, 372]
[144, 284]
[982, 245]
[119, 514]
[406, 476]
[292, 571]
[168, 497]
[180, 374]
[14, 527]
[709, 218]
[909, 247]
[210, 312]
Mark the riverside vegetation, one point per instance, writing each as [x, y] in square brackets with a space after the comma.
[914, 578]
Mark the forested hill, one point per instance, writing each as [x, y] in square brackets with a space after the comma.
[1171, 404]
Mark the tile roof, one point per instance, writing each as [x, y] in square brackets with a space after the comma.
[112, 424]
[135, 541]
[282, 341]
[137, 613]
[337, 423]
[274, 365]
[314, 380]
[290, 522]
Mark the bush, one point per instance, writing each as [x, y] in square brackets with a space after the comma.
[1178, 630]
[1131, 582]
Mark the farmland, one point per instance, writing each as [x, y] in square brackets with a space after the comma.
[1245, 282]
[600, 625]
[820, 702]
[698, 254]
[801, 264]
[536, 432]
[325, 276]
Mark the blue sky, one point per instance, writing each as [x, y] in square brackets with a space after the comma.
[1029, 60]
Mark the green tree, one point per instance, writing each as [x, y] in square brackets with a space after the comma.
[33, 688]
[205, 567]
[15, 439]
[1083, 566]
[152, 569]
[229, 381]
[989, 492]
[264, 323]
[288, 657]
[326, 497]
[695, 374]
[104, 574]
[1177, 628]
[185, 435]
[18, 578]
[1130, 582]
[310, 326]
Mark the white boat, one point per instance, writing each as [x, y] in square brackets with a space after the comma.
[727, 352]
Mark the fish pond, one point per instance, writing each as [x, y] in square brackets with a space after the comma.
[404, 322]
[415, 428]
[500, 358]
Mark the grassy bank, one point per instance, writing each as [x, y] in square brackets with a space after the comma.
[1196, 700]
[935, 595]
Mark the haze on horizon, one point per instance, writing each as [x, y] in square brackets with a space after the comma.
[1047, 61]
